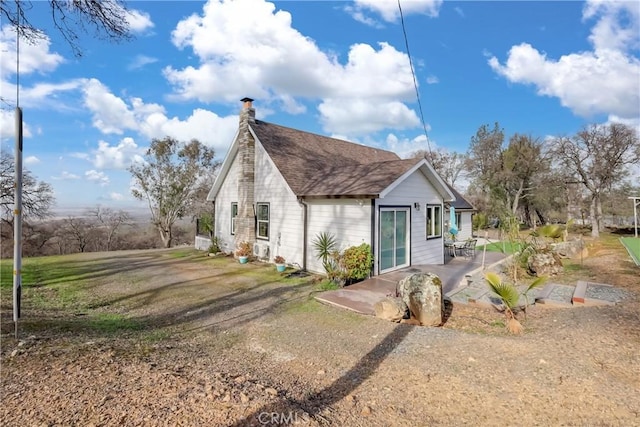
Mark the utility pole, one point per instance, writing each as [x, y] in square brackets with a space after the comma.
[17, 224]
[636, 203]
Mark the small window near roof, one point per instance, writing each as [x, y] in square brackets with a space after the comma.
[434, 221]
[262, 220]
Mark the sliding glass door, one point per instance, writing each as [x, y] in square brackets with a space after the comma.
[394, 238]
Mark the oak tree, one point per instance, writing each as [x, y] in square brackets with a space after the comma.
[598, 157]
[172, 179]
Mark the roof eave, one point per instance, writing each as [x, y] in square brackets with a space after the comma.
[339, 196]
[224, 169]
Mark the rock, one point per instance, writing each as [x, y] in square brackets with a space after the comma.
[391, 308]
[320, 372]
[545, 264]
[244, 398]
[366, 411]
[569, 249]
[422, 293]
[271, 391]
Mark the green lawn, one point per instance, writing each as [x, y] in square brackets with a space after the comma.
[633, 247]
[139, 292]
[504, 247]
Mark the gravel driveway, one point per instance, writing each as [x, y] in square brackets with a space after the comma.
[206, 348]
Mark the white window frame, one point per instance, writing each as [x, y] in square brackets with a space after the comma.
[261, 221]
[433, 218]
[233, 217]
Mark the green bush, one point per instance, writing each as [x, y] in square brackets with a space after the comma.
[214, 248]
[480, 221]
[356, 262]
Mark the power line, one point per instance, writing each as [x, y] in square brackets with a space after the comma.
[413, 74]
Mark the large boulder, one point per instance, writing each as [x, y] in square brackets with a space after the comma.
[545, 264]
[391, 308]
[422, 293]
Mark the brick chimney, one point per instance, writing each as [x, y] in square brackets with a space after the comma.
[245, 221]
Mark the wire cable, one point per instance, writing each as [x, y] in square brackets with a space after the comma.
[415, 82]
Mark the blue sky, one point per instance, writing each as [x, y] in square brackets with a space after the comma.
[334, 68]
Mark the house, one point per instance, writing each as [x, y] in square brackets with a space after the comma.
[463, 211]
[279, 188]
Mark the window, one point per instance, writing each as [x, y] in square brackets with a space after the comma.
[234, 214]
[459, 221]
[434, 221]
[263, 220]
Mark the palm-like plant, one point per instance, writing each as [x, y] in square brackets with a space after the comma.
[325, 246]
[510, 297]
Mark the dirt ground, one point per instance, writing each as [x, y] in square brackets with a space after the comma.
[263, 352]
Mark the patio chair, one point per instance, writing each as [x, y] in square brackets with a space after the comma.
[469, 248]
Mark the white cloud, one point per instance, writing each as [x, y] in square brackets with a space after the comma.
[617, 26]
[8, 125]
[602, 81]
[353, 117]
[139, 21]
[117, 156]
[46, 95]
[116, 196]
[266, 56]
[66, 176]
[113, 115]
[431, 80]
[98, 177]
[31, 160]
[203, 125]
[140, 61]
[389, 11]
[404, 147]
[110, 113]
[33, 57]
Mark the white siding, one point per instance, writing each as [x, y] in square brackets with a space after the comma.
[465, 226]
[415, 189]
[349, 220]
[285, 212]
[227, 194]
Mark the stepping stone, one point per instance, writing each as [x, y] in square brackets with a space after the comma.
[467, 294]
[556, 295]
[597, 294]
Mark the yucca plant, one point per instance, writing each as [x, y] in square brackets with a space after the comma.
[325, 246]
[510, 297]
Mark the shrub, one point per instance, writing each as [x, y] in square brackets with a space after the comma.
[356, 262]
[480, 221]
[214, 248]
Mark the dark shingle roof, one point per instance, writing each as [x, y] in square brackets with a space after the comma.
[460, 202]
[315, 165]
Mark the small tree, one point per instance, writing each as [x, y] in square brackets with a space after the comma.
[110, 222]
[510, 297]
[170, 180]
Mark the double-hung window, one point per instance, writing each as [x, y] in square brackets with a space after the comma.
[234, 214]
[262, 214]
[434, 221]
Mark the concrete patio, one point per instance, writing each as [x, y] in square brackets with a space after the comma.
[361, 297]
